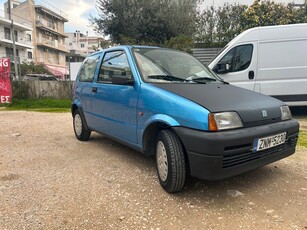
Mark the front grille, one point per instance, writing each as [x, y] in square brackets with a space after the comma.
[237, 155]
[261, 122]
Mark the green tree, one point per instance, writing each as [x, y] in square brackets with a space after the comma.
[205, 26]
[217, 26]
[144, 22]
[267, 13]
[229, 18]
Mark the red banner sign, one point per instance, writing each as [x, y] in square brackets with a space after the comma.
[5, 81]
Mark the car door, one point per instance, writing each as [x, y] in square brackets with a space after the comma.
[239, 66]
[84, 85]
[114, 105]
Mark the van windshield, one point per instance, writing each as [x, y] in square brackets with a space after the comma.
[165, 65]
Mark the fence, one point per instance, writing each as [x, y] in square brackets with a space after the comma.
[44, 89]
[205, 55]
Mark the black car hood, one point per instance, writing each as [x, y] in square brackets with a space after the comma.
[218, 97]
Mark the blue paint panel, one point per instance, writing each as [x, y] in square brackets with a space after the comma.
[158, 105]
[114, 110]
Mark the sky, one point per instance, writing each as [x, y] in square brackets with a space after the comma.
[78, 11]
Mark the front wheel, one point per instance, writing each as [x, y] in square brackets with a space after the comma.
[81, 132]
[170, 161]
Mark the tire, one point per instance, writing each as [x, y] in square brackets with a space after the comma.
[170, 161]
[81, 132]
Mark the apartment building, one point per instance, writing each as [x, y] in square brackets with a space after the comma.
[81, 45]
[48, 34]
[23, 41]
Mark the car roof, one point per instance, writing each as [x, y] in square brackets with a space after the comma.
[126, 46]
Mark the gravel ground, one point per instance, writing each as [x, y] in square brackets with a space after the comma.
[50, 180]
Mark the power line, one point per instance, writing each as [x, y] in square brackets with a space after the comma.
[16, 16]
[72, 19]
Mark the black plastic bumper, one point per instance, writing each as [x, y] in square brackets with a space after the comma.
[218, 155]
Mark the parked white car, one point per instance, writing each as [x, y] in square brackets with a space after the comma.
[271, 60]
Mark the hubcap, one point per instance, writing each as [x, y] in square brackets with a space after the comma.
[78, 124]
[162, 163]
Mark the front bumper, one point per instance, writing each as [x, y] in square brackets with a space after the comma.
[218, 155]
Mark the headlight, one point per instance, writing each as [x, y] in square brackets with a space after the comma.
[285, 113]
[225, 120]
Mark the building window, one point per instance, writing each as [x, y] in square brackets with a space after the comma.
[70, 44]
[16, 36]
[82, 45]
[30, 56]
[7, 33]
[29, 38]
[10, 53]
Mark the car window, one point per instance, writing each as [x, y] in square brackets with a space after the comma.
[238, 58]
[87, 72]
[115, 63]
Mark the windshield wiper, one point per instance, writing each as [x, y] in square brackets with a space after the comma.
[225, 82]
[165, 77]
[202, 80]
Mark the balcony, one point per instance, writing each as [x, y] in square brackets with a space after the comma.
[23, 58]
[19, 23]
[52, 45]
[20, 42]
[50, 27]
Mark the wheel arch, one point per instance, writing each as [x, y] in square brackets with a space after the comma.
[150, 135]
[74, 108]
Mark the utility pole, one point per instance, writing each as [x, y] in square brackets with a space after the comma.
[87, 42]
[13, 38]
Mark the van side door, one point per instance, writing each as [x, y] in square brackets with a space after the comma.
[239, 65]
[115, 95]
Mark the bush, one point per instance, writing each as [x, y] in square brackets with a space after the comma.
[181, 42]
[20, 90]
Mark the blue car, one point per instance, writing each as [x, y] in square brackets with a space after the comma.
[165, 103]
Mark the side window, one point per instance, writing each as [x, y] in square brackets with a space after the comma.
[87, 72]
[115, 63]
[238, 58]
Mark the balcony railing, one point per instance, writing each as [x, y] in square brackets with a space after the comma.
[20, 59]
[52, 44]
[50, 26]
[20, 40]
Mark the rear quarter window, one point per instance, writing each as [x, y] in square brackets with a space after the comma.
[88, 69]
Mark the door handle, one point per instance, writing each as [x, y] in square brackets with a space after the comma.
[94, 89]
[251, 75]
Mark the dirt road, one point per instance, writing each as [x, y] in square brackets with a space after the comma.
[49, 180]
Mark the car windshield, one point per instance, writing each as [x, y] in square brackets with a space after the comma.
[164, 65]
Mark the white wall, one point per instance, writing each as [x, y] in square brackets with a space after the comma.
[74, 69]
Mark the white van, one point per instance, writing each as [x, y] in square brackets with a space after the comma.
[271, 60]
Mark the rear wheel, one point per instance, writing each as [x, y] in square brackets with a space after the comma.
[170, 161]
[81, 132]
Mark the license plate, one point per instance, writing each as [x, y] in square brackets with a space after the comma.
[269, 142]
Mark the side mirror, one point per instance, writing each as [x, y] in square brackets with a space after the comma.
[121, 80]
[222, 68]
